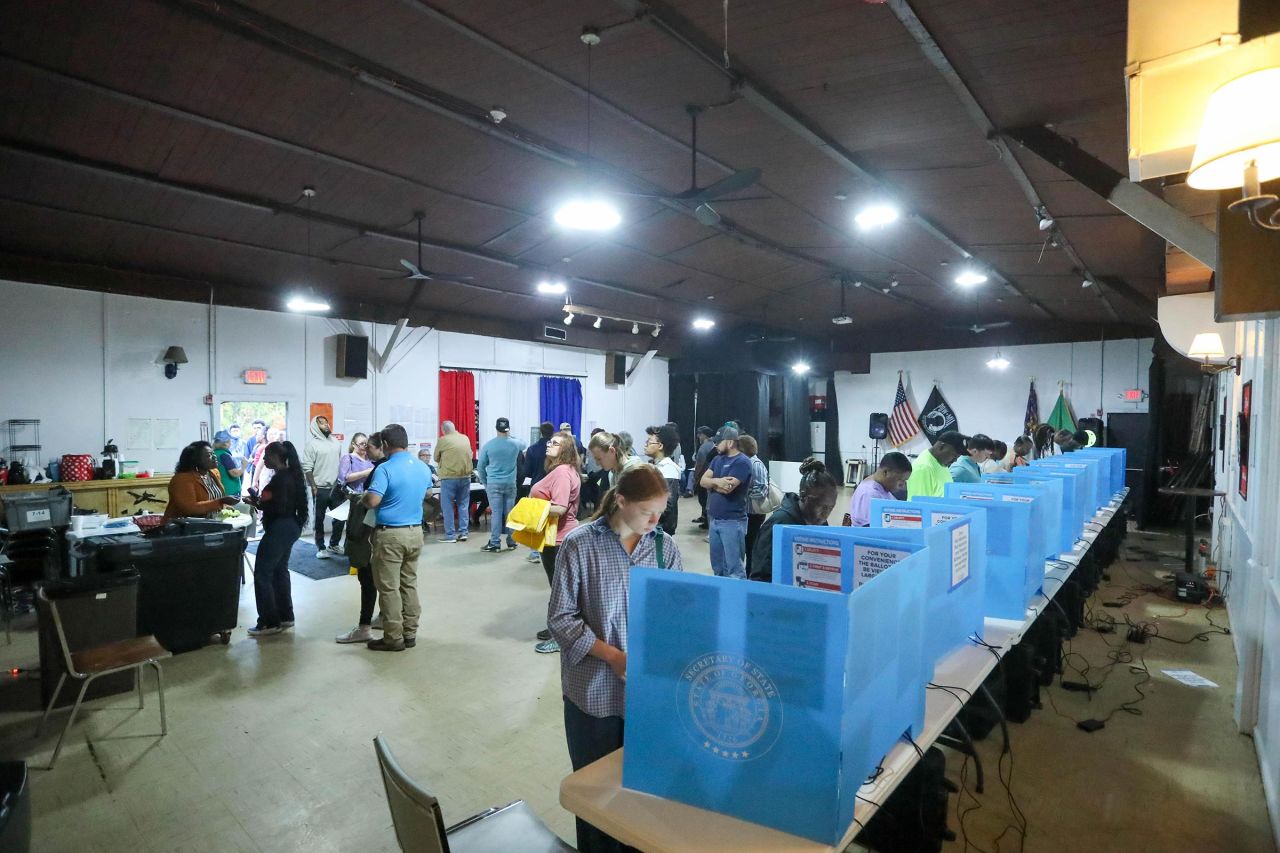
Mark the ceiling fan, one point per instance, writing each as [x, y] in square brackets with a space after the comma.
[700, 197]
[764, 337]
[979, 328]
[415, 271]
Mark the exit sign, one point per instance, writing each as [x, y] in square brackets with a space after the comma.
[254, 376]
[1135, 395]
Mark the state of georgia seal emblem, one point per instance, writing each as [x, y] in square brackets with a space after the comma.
[729, 706]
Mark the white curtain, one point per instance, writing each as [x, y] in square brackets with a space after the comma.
[513, 396]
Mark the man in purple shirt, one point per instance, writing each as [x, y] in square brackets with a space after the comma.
[890, 477]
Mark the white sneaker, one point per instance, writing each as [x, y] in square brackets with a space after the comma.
[534, 557]
[264, 632]
[322, 554]
[337, 551]
[358, 634]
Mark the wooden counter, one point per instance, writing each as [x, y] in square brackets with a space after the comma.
[113, 497]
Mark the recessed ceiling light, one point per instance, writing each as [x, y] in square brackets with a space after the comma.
[307, 304]
[970, 278]
[552, 288]
[711, 297]
[589, 214]
[876, 216]
[702, 324]
[841, 196]
[800, 367]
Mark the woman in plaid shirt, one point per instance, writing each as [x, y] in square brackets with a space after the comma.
[588, 616]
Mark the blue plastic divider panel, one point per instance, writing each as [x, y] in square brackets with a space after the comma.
[1055, 491]
[956, 588]
[1038, 525]
[1008, 528]
[1075, 484]
[1098, 470]
[1117, 456]
[737, 688]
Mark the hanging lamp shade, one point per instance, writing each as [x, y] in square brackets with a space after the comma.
[1241, 124]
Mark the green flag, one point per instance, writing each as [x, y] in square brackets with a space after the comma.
[1062, 417]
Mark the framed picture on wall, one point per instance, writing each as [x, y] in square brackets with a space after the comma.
[1242, 431]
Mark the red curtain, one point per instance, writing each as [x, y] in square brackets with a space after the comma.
[458, 402]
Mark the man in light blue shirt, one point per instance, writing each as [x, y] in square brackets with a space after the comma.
[395, 491]
[497, 466]
[968, 468]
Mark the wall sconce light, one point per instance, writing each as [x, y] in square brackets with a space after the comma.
[1208, 345]
[173, 356]
[1239, 145]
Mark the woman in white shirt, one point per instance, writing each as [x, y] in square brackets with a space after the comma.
[660, 443]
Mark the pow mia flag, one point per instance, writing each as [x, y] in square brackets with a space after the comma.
[937, 417]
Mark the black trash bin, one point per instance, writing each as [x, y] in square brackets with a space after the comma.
[190, 582]
[95, 610]
[15, 807]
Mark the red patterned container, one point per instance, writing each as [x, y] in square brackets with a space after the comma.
[76, 467]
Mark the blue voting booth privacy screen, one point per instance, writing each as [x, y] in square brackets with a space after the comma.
[1008, 547]
[1033, 559]
[1117, 457]
[1076, 494]
[769, 702]
[1060, 538]
[1097, 469]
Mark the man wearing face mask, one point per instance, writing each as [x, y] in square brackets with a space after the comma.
[320, 467]
[929, 473]
[811, 505]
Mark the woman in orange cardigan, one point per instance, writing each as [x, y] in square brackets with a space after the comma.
[196, 489]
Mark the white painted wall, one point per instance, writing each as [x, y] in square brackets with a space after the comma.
[84, 363]
[1246, 546]
[989, 401]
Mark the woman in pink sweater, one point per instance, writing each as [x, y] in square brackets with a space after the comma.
[561, 486]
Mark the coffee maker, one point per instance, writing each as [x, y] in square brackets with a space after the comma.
[110, 460]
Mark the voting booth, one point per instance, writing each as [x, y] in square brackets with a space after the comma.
[1097, 469]
[770, 702]
[1117, 458]
[1063, 536]
[1036, 540]
[1076, 494]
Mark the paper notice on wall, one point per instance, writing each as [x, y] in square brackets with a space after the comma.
[871, 560]
[901, 518]
[815, 563]
[959, 555]
[139, 435]
[1016, 499]
[358, 417]
[167, 433]
[423, 428]
[940, 517]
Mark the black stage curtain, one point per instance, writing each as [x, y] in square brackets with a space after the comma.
[742, 396]
[832, 451]
[680, 412]
[796, 438]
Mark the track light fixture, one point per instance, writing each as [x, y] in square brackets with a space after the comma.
[657, 330]
[597, 323]
[635, 328]
[568, 319]
[1046, 221]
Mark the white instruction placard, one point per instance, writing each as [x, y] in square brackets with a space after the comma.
[941, 517]
[1017, 499]
[911, 518]
[959, 555]
[816, 565]
[871, 560]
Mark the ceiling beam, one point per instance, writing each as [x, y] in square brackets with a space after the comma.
[1144, 207]
[934, 53]
[775, 107]
[305, 48]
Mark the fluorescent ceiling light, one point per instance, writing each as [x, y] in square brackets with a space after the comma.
[800, 367]
[702, 324]
[876, 216]
[552, 288]
[307, 304]
[588, 215]
[970, 278]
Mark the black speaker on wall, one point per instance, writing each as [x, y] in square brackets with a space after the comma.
[353, 357]
[879, 426]
[615, 368]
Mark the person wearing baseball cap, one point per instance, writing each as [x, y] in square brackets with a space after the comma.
[497, 466]
[930, 472]
[727, 479]
[227, 468]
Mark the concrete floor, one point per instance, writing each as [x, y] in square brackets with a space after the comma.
[269, 745]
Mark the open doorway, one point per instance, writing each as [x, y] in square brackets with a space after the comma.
[253, 424]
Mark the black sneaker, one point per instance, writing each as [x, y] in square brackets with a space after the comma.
[491, 548]
[511, 546]
[462, 537]
[384, 645]
[410, 642]
[544, 634]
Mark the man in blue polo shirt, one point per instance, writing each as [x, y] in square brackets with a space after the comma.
[396, 490]
[727, 480]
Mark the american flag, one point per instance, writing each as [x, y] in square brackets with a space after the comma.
[902, 424]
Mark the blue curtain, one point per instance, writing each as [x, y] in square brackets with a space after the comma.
[560, 401]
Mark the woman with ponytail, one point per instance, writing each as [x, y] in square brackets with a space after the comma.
[588, 615]
[284, 504]
[812, 505]
[613, 454]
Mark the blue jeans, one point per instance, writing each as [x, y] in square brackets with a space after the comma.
[502, 498]
[729, 547]
[455, 496]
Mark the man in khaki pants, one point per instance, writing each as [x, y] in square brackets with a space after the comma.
[396, 490]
